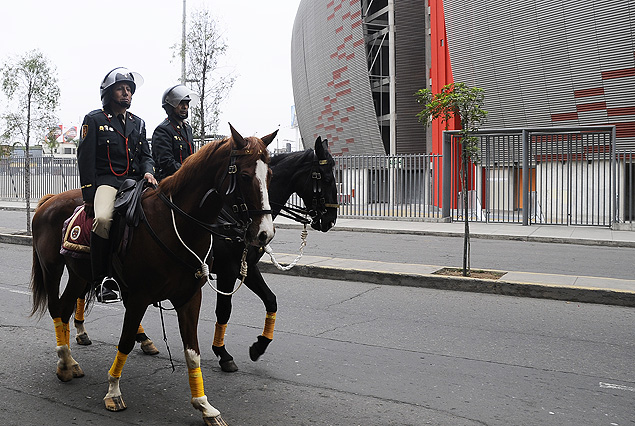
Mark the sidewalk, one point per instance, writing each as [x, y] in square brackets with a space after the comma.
[514, 283]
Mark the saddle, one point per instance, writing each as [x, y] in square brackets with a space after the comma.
[127, 215]
[128, 201]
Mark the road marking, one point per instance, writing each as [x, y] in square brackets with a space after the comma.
[618, 387]
[12, 290]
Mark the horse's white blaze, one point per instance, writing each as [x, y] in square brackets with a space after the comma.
[266, 224]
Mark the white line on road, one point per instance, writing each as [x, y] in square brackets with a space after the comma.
[618, 387]
[13, 290]
[105, 306]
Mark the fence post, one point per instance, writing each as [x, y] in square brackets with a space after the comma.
[525, 160]
[447, 175]
[614, 209]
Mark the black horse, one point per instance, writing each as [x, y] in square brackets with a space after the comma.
[309, 174]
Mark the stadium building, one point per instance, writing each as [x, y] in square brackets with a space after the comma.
[356, 65]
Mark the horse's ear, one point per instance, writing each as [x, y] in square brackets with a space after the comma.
[321, 147]
[238, 139]
[269, 138]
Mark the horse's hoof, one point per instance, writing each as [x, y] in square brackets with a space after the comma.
[215, 421]
[64, 374]
[77, 371]
[83, 339]
[258, 348]
[228, 366]
[114, 403]
[148, 348]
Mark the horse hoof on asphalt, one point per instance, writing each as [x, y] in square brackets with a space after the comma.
[228, 366]
[83, 339]
[148, 348]
[64, 374]
[114, 403]
[215, 421]
[77, 371]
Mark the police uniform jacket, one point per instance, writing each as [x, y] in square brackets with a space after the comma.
[171, 144]
[109, 152]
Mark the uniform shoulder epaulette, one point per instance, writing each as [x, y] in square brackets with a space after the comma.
[95, 112]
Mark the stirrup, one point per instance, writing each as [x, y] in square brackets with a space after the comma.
[106, 294]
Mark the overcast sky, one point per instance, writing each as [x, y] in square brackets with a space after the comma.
[86, 39]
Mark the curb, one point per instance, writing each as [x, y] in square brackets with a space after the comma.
[437, 282]
[25, 240]
[502, 237]
[465, 284]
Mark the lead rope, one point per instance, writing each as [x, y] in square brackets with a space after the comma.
[204, 270]
[298, 257]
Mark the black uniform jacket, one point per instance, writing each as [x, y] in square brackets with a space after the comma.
[108, 153]
[171, 144]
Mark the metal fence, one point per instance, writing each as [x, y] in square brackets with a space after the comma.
[561, 176]
[48, 175]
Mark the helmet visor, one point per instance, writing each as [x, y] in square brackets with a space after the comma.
[179, 93]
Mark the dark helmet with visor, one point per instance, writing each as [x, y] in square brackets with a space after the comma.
[173, 96]
[117, 75]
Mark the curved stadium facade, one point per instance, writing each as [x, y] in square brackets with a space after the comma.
[343, 69]
[357, 63]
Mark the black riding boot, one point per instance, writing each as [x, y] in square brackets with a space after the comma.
[100, 258]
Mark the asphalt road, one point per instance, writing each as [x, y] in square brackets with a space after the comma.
[344, 353]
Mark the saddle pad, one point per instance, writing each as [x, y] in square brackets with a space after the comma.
[76, 234]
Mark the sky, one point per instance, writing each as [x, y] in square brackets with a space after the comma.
[86, 39]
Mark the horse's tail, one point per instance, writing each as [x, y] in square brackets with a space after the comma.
[40, 297]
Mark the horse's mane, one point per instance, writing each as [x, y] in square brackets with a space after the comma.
[294, 158]
[192, 167]
[198, 164]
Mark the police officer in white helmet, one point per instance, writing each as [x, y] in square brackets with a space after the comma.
[172, 140]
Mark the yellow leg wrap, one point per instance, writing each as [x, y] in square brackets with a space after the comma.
[79, 311]
[196, 382]
[117, 365]
[270, 322]
[67, 334]
[60, 335]
[140, 329]
[219, 334]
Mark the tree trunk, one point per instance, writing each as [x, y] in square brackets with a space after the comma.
[27, 167]
[466, 234]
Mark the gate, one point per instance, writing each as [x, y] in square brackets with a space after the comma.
[560, 176]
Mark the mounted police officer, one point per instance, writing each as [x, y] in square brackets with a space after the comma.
[172, 140]
[112, 148]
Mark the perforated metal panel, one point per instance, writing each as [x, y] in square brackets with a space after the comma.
[331, 87]
[548, 62]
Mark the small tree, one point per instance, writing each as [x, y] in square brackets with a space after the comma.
[31, 82]
[466, 103]
[204, 46]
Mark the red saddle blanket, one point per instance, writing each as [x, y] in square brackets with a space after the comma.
[76, 234]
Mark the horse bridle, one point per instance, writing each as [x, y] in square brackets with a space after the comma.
[239, 207]
[318, 203]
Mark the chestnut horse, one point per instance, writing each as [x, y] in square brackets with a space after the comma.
[308, 174]
[159, 262]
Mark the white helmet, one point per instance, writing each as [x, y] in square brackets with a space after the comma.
[175, 94]
[134, 79]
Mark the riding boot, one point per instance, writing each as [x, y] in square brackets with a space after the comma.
[100, 259]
